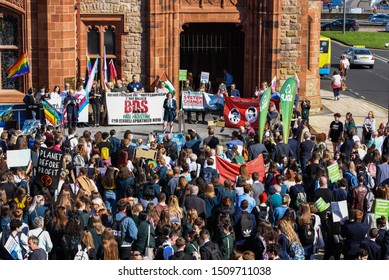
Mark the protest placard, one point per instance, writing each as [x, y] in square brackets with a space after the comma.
[49, 168]
[18, 158]
[381, 208]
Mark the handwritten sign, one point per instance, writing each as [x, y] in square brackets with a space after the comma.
[49, 168]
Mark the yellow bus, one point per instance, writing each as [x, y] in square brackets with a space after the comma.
[325, 56]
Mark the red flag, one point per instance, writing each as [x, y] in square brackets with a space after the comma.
[228, 170]
[112, 72]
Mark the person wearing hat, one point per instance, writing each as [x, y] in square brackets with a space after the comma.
[336, 131]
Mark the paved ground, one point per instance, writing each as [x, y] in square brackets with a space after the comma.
[320, 122]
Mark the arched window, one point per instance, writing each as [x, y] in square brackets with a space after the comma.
[98, 38]
[9, 48]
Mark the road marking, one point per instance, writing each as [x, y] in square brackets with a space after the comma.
[381, 58]
[363, 97]
[356, 93]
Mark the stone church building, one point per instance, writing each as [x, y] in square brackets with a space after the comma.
[253, 39]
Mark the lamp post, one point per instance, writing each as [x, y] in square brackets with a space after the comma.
[344, 16]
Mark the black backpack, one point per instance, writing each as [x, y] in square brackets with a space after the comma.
[307, 234]
[246, 225]
[66, 142]
[261, 212]
[118, 230]
[214, 251]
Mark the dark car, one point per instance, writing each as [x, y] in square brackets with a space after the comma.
[381, 18]
[337, 25]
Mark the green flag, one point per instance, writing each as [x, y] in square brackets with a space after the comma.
[288, 93]
[263, 109]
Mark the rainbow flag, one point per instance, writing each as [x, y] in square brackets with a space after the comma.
[51, 114]
[88, 64]
[20, 67]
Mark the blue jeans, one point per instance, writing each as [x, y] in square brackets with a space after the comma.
[110, 200]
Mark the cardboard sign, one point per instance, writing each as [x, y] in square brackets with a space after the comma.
[182, 75]
[334, 173]
[147, 154]
[18, 158]
[381, 208]
[339, 211]
[49, 168]
[204, 77]
[192, 101]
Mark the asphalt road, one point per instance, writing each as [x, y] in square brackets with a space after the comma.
[364, 83]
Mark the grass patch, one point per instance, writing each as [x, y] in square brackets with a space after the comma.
[374, 40]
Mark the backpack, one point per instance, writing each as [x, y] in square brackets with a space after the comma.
[246, 225]
[214, 252]
[307, 234]
[296, 251]
[207, 177]
[301, 197]
[159, 252]
[117, 230]
[104, 153]
[82, 255]
[261, 212]
[66, 142]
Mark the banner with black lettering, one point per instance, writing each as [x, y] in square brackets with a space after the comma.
[144, 108]
[49, 168]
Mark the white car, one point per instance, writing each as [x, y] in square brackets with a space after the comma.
[360, 56]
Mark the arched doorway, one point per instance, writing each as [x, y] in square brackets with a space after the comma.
[210, 47]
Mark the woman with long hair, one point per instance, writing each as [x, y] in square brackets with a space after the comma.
[110, 193]
[180, 189]
[271, 176]
[125, 182]
[211, 202]
[290, 243]
[140, 183]
[146, 234]
[110, 246]
[71, 238]
[65, 200]
[305, 229]
[368, 126]
[3, 197]
[88, 245]
[174, 211]
[57, 230]
[96, 229]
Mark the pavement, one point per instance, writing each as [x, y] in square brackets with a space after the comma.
[320, 122]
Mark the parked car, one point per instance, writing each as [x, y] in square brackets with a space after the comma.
[337, 25]
[380, 18]
[359, 55]
[387, 27]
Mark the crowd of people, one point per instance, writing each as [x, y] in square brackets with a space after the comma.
[110, 204]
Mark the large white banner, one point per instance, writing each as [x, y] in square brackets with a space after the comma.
[131, 109]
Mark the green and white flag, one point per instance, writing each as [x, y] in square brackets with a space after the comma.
[263, 109]
[288, 93]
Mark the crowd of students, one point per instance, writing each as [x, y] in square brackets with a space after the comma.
[110, 204]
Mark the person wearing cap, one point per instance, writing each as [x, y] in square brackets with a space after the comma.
[336, 131]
